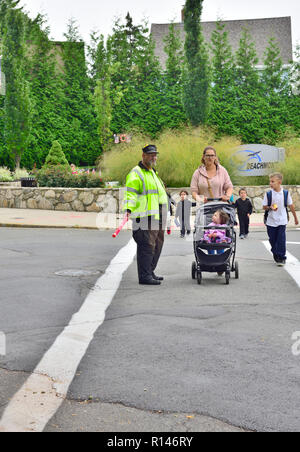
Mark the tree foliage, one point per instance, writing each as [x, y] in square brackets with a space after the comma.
[56, 157]
[196, 74]
[17, 105]
[172, 110]
[223, 106]
[54, 92]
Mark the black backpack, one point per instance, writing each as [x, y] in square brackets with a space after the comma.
[269, 195]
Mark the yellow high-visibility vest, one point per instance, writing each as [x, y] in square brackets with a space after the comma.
[144, 193]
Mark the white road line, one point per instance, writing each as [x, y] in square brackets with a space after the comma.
[293, 243]
[45, 390]
[292, 265]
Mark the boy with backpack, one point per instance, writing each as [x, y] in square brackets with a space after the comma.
[276, 203]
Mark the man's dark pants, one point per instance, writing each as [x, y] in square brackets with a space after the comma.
[277, 237]
[149, 246]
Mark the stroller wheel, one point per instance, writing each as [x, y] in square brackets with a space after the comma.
[236, 269]
[227, 277]
[199, 278]
[194, 269]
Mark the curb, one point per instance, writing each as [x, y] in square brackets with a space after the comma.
[42, 226]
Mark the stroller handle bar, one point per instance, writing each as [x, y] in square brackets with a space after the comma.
[218, 227]
[214, 199]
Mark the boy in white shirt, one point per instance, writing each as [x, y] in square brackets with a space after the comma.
[277, 219]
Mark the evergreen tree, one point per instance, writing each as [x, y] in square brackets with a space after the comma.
[137, 80]
[196, 77]
[249, 102]
[275, 92]
[172, 111]
[148, 94]
[104, 94]
[223, 93]
[97, 58]
[17, 106]
[46, 91]
[103, 110]
[5, 6]
[56, 157]
[80, 138]
[293, 107]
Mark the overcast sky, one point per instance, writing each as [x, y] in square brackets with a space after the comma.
[99, 14]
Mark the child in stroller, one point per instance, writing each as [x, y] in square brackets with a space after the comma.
[220, 218]
[215, 241]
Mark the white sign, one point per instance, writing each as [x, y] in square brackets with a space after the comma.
[2, 344]
[257, 159]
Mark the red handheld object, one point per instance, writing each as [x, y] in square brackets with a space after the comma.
[117, 232]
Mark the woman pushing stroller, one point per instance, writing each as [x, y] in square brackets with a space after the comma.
[214, 237]
[211, 180]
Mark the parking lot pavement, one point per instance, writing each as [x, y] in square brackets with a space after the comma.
[168, 355]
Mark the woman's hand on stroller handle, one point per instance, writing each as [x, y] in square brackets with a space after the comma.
[214, 199]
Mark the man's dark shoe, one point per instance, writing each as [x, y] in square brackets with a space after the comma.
[150, 282]
[157, 278]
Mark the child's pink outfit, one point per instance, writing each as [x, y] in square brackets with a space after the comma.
[221, 234]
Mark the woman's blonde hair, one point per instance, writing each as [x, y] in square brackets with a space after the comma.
[204, 153]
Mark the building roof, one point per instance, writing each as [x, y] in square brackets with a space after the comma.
[261, 31]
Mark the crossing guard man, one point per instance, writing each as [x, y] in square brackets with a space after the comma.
[146, 202]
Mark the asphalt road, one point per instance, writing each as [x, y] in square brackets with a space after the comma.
[179, 357]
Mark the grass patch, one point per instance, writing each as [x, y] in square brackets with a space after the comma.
[181, 154]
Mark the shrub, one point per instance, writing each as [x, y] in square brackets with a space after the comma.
[5, 175]
[55, 176]
[60, 176]
[19, 173]
[56, 157]
[290, 168]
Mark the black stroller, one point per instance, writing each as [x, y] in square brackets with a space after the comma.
[214, 263]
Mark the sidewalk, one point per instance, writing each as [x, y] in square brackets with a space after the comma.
[86, 220]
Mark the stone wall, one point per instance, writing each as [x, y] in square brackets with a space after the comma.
[64, 199]
[99, 199]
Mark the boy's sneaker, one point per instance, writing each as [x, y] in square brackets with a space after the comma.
[242, 237]
[281, 263]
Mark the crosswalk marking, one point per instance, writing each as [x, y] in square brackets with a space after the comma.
[45, 390]
[292, 265]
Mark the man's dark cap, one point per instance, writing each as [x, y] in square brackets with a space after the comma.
[150, 149]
